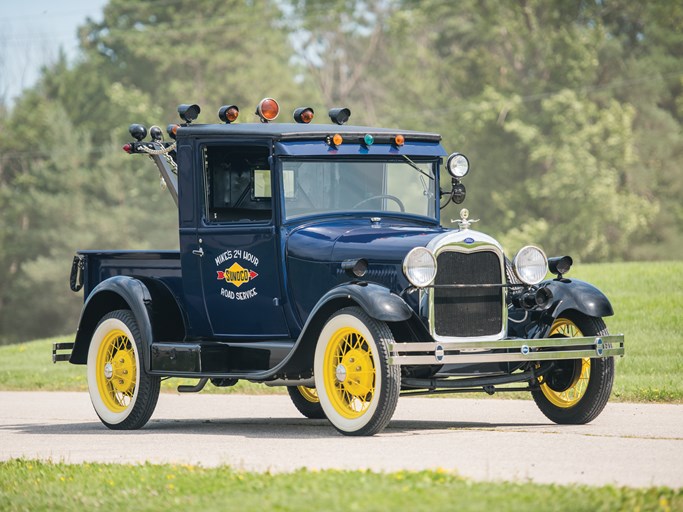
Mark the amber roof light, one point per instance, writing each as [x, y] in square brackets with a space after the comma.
[228, 113]
[303, 115]
[267, 109]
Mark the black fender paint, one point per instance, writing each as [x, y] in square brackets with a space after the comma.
[376, 300]
[118, 292]
[575, 295]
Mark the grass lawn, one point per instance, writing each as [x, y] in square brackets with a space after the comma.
[648, 308]
[648, 304]
[32, 485]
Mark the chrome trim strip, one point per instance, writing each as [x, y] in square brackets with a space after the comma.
[512, 343]
[527, 350]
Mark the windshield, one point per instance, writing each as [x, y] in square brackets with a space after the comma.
[314, 187]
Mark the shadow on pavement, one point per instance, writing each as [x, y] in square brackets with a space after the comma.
[265, 428]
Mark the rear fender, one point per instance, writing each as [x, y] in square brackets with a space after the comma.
[145, 302]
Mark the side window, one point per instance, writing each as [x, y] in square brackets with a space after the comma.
[237, 184]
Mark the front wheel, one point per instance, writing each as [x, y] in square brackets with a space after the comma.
[576, 391]
[306, 401]
[357, 387]
[123, 395]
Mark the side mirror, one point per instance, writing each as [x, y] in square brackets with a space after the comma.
[458, 192]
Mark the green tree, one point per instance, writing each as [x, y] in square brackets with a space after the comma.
[41, 210]
[208, 52]
[343, 46]
[65, 184]
[645, 54]
[522, 89]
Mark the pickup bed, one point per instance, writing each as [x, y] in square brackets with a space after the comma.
[160, 266]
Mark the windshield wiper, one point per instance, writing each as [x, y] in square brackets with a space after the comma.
[416, 167]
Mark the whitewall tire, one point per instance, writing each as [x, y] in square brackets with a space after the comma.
[357, 388]
[123, 395]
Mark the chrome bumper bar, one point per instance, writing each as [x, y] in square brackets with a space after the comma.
[56, 347]
[503, 351]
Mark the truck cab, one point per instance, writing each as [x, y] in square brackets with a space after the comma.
[312, 256]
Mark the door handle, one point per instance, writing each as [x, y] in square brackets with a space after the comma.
[198, 252]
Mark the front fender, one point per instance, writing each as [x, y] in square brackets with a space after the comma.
[572, 294]
[118, 292]
[376, 300]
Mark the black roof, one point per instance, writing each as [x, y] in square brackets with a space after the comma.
[293, 131]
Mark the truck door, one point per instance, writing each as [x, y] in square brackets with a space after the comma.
[239, 245]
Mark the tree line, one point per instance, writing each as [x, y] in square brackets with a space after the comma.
[570, 112]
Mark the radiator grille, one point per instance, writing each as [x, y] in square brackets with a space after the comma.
[468, 312]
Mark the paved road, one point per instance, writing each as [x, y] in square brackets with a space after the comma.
[629, 444]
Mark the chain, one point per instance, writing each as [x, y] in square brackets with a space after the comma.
[162, 151]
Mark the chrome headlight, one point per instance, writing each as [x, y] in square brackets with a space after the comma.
[419, 267]
[530, 265]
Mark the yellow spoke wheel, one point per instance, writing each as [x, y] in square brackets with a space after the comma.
[122, 393]
[575, 391]
[307, 401]
[357, 387]
[116, 370]
[571, 390]
[309, 394]
[349, 372]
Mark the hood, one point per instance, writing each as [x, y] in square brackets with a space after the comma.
[336, 240]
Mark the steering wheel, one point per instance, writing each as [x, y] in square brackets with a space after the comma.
[381, 196]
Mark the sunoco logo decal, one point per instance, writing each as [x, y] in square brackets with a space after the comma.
[237, 275]
[238, 269]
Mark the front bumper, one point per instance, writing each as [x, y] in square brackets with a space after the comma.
[503, 351]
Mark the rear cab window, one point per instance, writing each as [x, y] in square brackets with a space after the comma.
[237, 184]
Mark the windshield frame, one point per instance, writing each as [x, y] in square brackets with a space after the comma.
[394, 159]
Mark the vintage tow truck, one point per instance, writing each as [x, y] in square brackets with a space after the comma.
[312, 257]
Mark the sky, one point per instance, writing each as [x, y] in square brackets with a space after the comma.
[31, 34]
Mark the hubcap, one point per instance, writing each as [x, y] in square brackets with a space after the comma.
[340, 373]
[108, 371]
[349, 373]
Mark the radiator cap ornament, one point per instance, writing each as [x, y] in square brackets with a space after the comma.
[464, 222]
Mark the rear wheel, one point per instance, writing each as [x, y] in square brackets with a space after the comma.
[306, 401]
[123, 395]
[576, 391]
[357, 387]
